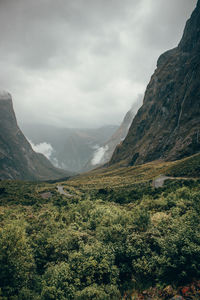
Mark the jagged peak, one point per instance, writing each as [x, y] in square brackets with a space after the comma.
[167, 125]
[4, 95]
[191, 35]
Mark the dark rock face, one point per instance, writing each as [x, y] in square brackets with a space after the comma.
[17, 159]
[167, 126]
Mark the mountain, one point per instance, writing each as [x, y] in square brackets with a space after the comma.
[104, 153]
[69, 148]
[167, 126]
[17, 158]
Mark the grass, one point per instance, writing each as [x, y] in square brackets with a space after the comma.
[102, 181]
[126, 177]
[189, 167]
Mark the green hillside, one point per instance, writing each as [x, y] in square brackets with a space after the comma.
[189, 167]
[99, 241]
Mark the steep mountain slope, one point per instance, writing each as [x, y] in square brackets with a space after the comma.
[17, 159]
[70, 148]
[104, 153]
[167, 126]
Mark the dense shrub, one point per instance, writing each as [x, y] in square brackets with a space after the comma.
[16, 259]
[95, 248]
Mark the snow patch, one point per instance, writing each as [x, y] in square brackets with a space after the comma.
[99, 154]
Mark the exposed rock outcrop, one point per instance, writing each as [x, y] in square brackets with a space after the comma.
[17, 159]
[167, 126]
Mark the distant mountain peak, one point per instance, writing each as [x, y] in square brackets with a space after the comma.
[103, 153]
[17, 158]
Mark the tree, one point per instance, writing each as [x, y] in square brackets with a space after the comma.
[16, 260]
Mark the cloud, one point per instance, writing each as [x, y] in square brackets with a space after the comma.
[44, 148]
[47, 150]
[84, 62]
[98, 155]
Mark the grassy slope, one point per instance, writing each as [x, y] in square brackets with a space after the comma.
[126, 177]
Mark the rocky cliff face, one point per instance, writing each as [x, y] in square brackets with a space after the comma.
[104, 153]
[17, 159]
[167, 126]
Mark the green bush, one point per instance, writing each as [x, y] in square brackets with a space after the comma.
[16, 259]
[95, 248]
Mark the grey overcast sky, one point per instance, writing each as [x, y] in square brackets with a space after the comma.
[83, 63]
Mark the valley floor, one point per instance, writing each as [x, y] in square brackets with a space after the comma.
[107, 234]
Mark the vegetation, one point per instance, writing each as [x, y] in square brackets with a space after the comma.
[100, 242]
[189, 167]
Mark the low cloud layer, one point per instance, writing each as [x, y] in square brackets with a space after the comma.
[44, 148]
[83, 63]
[47, 150]
[98, 155]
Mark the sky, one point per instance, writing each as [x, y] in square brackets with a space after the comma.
[84, 63]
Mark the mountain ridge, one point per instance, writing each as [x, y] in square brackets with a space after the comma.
[108, 148]
[17, 158]
[167, 125]
[70, 148]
